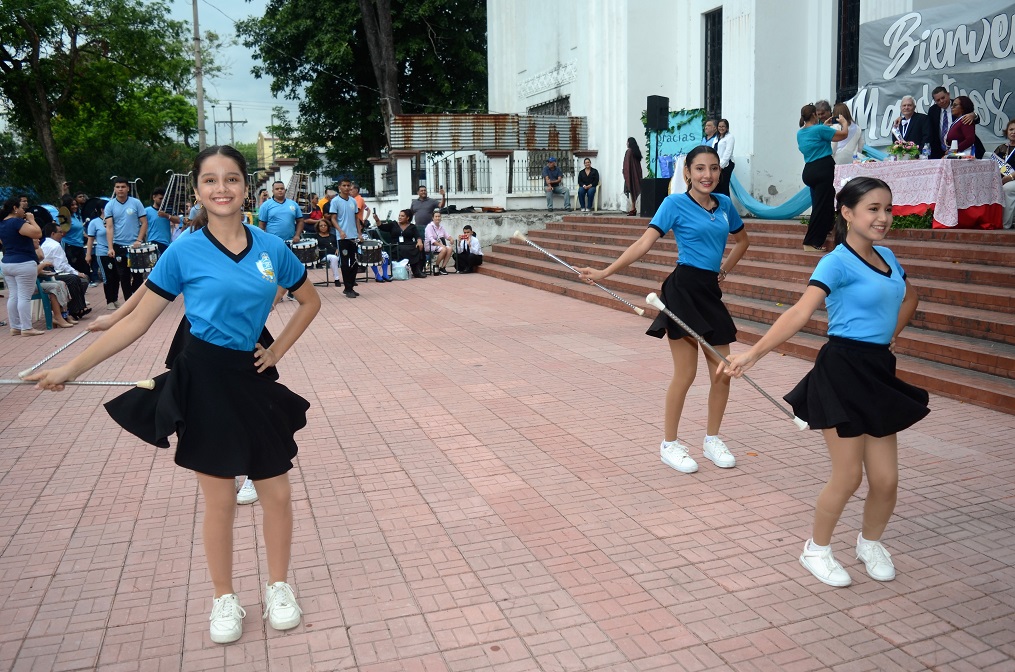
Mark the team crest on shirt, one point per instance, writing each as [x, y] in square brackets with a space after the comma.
[264, 265]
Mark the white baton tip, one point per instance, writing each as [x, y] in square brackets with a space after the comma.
[653, 300]
[640, 311]
[147, 384]
[518, 235]
[800, 424]
[24, 373]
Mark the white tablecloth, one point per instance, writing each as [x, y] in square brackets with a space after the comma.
[949, 185]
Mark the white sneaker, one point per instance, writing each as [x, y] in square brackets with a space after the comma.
[824, 567]
[226, 619]
[280, 606]
[717, 451]
[247, 494]
[110, 306]
[675, 455]
[876, 558]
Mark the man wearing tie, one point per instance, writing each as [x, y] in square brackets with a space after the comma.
[912, 125]
[940, 116]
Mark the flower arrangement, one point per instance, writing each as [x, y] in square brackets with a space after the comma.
[904, 149]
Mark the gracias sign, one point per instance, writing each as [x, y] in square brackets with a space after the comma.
[967, 48]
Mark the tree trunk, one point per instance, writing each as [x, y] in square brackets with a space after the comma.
[381, 44]
[39, 109]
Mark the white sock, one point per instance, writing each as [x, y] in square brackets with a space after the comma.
[707, 437]
[811, 546]
[860, 540]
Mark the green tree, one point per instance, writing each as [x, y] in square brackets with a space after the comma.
[81, 76]
[318, 52]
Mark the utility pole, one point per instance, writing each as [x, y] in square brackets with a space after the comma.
[215, 124]
[202, 140]
[232, 125]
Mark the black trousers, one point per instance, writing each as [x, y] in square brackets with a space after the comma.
[76, 258]
[820, 177]
[467, 261]
[724, 179]
[128, 282]
[347, 262]
[411, 252]
[76, 286]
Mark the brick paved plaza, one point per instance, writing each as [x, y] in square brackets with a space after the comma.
[479, 488]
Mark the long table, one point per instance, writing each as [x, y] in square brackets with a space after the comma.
[965, 193]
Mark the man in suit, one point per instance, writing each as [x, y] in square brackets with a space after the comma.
[911, 125]
[940, 117]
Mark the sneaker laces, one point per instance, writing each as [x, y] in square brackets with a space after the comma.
[829, 561]
[280, 595]
[874, 553]
[675, 449]
[718, 448]
[226, 608]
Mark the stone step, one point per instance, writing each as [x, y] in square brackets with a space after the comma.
[646, 276]
[993, 237]
[973, 273]
[950, 380]
[959, 292]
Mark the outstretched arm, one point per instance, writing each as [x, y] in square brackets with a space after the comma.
[788, 324]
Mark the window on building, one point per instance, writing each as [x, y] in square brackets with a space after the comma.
[848, 57]
[560, 107]
[713, 63]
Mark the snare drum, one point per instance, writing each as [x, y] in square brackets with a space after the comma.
[369, 253]
[141, 259]
[306, 251]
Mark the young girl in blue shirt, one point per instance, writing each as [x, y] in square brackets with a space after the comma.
[852, 394]
[230, 418]
[701, 223]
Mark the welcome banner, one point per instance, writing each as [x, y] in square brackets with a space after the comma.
[968, 48]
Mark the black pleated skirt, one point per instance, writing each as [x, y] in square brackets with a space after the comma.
[693, 295]
[853, 388]
[229, 419]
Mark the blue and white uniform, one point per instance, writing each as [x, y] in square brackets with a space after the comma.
[126, 218]
[158, 227]
[228, 297]
[853, 387]
[97, 229]
[280, 218]
[692, 291]
[345, 210]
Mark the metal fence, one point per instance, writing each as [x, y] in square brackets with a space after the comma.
[389, 182]
[462, 174]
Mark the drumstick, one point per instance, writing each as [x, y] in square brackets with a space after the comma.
[518, 235]
[653, 300]
[147, 384]
[54, 354]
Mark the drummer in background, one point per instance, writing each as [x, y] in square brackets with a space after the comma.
[126, 227]
[281, 216]
[364, 212]
[342, 215]
[160, 222]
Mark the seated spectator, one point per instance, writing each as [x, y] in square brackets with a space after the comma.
[470, 254]
[55, 259]
[553, 177]
[964, 134]
[327, 246]
[59, 296]
[438, 244]
[1006, 152]
[588, 182]
[404, 235]
[843, 150]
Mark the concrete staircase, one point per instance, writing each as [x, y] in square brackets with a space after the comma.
[960, 344]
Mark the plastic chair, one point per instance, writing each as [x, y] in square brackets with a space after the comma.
[42, 298]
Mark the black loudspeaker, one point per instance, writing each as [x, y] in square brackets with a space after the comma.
[653, 191]
[657, 113]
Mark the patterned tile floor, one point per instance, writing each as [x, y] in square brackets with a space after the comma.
[479, 488]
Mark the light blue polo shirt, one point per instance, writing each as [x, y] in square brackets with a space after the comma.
[280, 218]
[158, 227]
[701, 236]
[345, 211]
[97, 229]
[126, 219]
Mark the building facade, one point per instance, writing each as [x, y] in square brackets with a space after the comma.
[753, 62]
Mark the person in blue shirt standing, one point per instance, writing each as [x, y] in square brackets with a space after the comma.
[553, 178]
[852, 394]
[229, 414]
[701, 222]
[74, 238]
[342, 213]
[814, 141]
[160, 223]
[281, 216]
[126, 227]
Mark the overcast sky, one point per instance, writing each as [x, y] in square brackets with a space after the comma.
[251, 98]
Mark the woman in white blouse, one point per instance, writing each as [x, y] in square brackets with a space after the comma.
[725, 149]
[843, 150]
